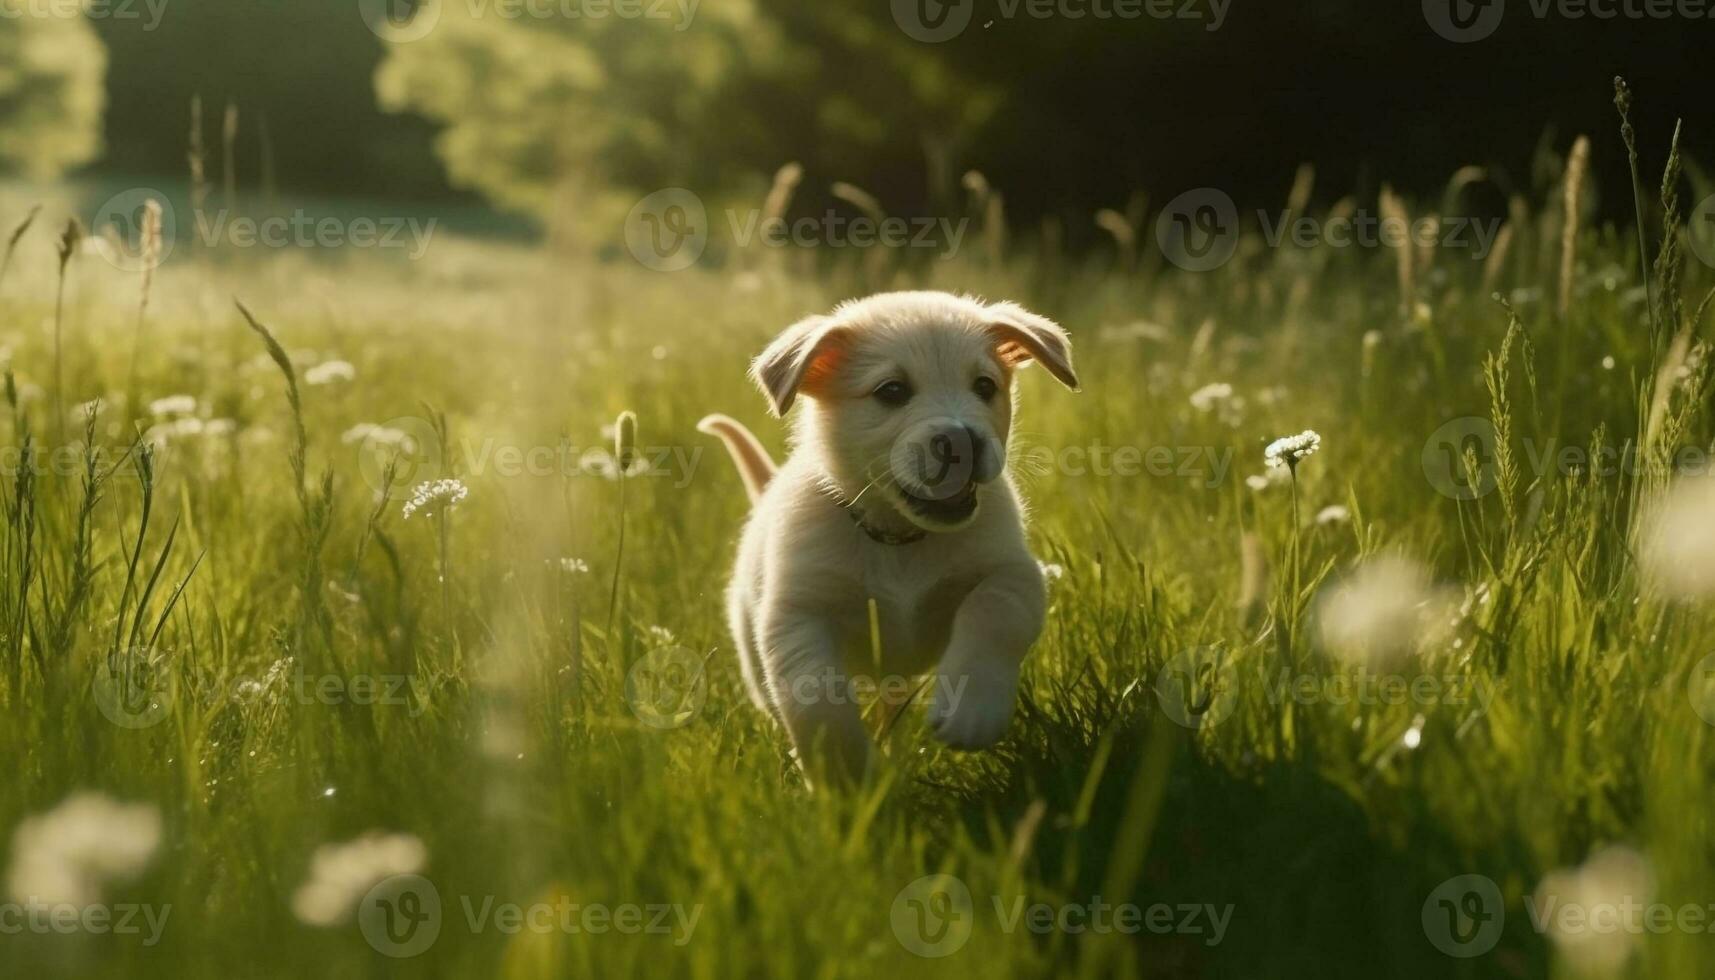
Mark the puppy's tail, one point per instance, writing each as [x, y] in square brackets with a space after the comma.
[754, 466]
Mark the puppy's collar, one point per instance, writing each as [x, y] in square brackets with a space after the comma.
[876, 534]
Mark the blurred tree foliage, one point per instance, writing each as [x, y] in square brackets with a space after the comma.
[575, 115]
[300, 74]
[51, 95]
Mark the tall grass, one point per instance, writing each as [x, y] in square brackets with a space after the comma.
[193, 569]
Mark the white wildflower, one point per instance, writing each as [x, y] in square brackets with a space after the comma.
[67, 855]
[1208, 397]
[341, 874]
[173, 405]
[1051, 571]
[574, 565]
[1385, 609]
[1678, 541]
[1287, 451]
[1270, 477]
[1333, 514]
[1594, 913]
[433, 495]
[370, 433]
[329, 372]
[1413, 736]
[163, 433]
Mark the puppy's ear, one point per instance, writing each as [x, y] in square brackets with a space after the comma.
[1021, 335]
[803, 356]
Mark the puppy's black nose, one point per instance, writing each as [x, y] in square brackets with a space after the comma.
[985, 458]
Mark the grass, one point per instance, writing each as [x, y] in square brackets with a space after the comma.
[511, 750]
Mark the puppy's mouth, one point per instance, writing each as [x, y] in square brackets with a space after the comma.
[940, 513]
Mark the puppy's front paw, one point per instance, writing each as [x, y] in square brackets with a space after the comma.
[971, 710]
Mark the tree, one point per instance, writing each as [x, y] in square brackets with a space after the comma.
[539, 111]
[51, 98]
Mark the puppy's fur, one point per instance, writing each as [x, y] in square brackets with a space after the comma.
[903, 501]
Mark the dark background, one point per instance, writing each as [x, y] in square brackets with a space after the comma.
[1092, 110]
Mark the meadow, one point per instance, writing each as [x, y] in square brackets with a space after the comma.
[1274, 727]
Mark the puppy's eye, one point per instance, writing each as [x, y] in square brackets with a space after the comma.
[985, 388]
[893, 393]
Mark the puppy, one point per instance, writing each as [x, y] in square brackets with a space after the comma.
[895, 492]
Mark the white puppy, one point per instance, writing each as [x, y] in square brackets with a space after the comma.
[895, 492]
